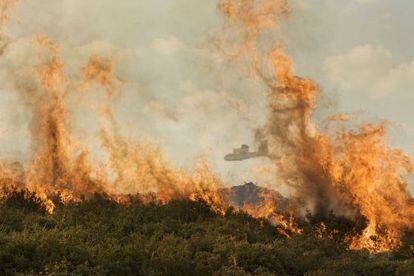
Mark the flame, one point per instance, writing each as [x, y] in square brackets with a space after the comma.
[61, 166]
[351, 172]
[138, 167]
[55, 169]
[6, 8]
[269, 208]
[101, 71]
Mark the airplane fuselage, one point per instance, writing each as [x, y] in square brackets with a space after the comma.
[242, 156]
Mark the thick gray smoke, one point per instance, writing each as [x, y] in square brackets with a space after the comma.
[175, 92]
[178, 94]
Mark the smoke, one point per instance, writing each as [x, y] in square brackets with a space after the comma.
[54, 84]
[350, 170]
[93, 105]
[170, 82]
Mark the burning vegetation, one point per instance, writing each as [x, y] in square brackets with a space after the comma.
[332, 170]
[353, 173]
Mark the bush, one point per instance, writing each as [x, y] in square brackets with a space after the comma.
[99, 237]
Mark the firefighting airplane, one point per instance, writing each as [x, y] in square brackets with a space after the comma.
[243, 153]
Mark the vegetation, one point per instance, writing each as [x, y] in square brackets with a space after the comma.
[101, 237]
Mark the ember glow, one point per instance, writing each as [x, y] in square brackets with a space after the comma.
[350, 171]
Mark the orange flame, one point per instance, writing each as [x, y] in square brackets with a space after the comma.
[134, 166]
[6, 7]
[353, 173]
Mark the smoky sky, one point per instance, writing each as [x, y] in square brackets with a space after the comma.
[177, 95]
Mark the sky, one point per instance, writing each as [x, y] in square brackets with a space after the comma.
[177, 95]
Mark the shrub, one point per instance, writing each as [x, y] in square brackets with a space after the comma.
[99, 236]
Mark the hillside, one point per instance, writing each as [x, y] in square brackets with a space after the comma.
[101, 237]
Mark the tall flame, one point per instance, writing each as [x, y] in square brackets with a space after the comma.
[351, 172]
[61, 166]
[139, 167]
[6, 8]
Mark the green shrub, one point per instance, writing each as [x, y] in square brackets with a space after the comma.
[100, 237]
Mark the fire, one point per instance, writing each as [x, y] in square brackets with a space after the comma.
[138, 167]
[61, 166]
[254, 18]
[6, 8]
[100, 70]
[351, 172]
[54, 169]
[269, 209]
